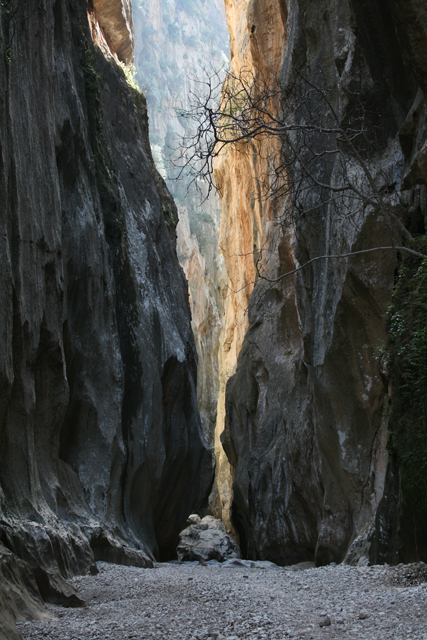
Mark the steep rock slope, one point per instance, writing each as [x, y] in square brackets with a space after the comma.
[304, 429]
[203, 274]
[177, 45]
[401, 522]
[247, 217]
[102, 452]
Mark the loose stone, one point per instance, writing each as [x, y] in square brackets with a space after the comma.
[191, 602]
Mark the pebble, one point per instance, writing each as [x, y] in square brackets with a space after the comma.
[195, 602]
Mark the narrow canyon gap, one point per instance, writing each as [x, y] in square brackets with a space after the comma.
[103, 452]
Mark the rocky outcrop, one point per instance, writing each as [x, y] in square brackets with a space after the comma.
[19, 595]
[102, 453]
[206, 540]
[305, 431]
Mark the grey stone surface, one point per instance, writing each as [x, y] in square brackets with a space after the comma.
[102, 453]
[206, 541]
[19, 595]
[305, 431]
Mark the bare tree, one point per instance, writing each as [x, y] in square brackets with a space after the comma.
[324, 156]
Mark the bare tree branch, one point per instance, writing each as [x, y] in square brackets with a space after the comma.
[321, 159]
[339, 257]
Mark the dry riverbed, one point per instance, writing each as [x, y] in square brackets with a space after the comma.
[193, 602]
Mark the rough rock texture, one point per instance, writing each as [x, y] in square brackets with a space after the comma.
[205, 320]
[102, 454]
[246, 216]
[173, 42]
[206, 540]
[400, 533]
[19, 595]
[304, 430]
[116, 22]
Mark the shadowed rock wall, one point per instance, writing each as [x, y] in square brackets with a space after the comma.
[305, 431]
[102, 454]
[174, 40]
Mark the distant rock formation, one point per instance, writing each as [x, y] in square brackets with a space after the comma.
[102, 453]
[116, 23]
[305, 426]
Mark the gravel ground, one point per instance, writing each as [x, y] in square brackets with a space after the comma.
[186, 601]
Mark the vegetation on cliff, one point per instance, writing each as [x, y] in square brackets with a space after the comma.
[407, 360]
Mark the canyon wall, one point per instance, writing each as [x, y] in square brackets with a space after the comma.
[247, 216]
[305, 426]
[102, 452]
[178, 44]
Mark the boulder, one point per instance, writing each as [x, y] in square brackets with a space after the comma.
[207, 540]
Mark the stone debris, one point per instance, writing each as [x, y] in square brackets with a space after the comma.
[406, 575]
[191, 602]
[206, 540]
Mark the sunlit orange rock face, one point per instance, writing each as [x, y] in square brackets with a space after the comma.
[301, 417]
[115, 20]
[257, 42]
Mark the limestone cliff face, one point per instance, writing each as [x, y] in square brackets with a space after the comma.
[304, 426]
[205, 320]
[401, 527]
[116, 22]
[178, 43]
[257, 42]
[102, 453]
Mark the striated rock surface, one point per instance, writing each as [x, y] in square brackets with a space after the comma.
[102, 453]
[305, 430]
[202, 274]
[178, 44]
[116, 22]
[247, 218]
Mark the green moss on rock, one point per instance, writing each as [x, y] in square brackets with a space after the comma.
[407, 358]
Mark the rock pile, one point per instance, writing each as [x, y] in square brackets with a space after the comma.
[206, 539]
